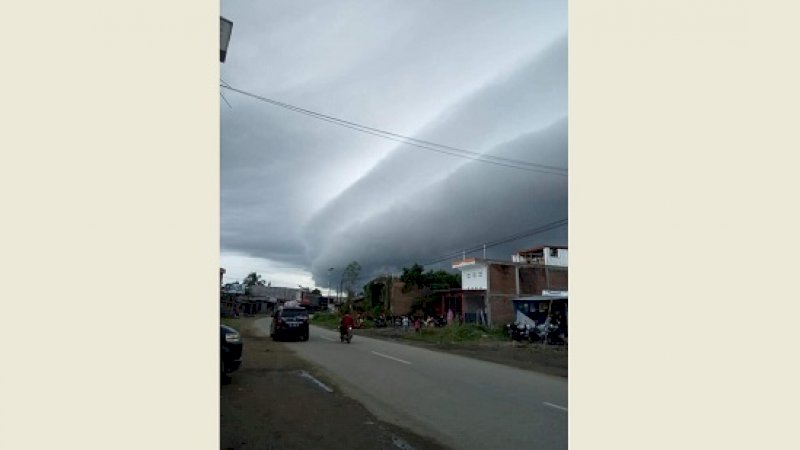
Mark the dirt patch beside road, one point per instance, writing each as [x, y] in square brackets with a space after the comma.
[269, 405]
[549, 359]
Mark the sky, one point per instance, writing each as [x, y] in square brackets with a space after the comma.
[300, 195]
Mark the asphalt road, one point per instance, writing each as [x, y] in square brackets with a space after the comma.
[461, 402]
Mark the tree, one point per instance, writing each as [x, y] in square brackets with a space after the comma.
[412, 277]
[316, 291]
[350, 276]
[253, 279]
[427, 283]
[415, 277]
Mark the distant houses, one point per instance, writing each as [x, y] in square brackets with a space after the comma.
[534, 282]
[236, 299]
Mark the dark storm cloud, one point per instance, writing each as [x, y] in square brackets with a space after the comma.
[416, 205]
[303, 193]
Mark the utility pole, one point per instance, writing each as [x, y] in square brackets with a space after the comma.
[329, 281]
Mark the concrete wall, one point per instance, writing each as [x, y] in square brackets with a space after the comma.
[474, 277]
[281, 293]
[561, 258]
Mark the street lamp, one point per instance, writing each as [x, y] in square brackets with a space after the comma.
[225, 28]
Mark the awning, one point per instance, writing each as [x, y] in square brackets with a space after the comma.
[536, 298]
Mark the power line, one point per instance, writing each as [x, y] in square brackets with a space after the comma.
[511, 238]
[427, 145]
[531, 232]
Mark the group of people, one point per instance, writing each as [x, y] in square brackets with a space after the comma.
[418, 322]
[406, 322]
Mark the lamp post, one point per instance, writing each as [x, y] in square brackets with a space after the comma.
[225, 28]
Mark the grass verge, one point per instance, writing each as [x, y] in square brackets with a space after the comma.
[458, 333]
[326, 319]
[233, 322]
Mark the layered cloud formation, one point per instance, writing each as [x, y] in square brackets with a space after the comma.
[305, 194]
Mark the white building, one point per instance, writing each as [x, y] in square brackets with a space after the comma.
[548, 255]
[474, 273]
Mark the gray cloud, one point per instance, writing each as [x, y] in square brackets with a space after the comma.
[309, 194]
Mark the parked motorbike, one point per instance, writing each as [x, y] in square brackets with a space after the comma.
[548, 333]
[346, 336]
[519, 332]
[380, 322]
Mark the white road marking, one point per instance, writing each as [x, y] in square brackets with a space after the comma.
[305, 374]
[391, 357]
[327, 338]
[554, 406]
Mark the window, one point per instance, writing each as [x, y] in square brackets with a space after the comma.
[469, 274]
[480, 274]
[554, 252]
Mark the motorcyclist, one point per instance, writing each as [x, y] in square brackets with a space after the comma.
[347, 321]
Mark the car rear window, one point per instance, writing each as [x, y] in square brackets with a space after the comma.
[293, 312]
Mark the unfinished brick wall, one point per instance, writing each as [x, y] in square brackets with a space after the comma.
[502, 279]
[532, 280]
[501, 310]
[401, 302]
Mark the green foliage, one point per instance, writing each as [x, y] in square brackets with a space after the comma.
[350, 276]
[231, 322]
[459, 333]
[412, 277]
[326, 319]
[253, 279]
[440, 279]
[316, 291]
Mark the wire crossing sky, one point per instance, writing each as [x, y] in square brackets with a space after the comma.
[450, 129]
[505, 162]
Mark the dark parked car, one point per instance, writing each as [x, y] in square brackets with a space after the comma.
[289, 321]
[230, 352]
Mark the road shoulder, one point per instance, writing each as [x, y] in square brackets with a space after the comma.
[278, 400]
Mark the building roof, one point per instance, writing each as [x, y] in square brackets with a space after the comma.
[539, 298]
[541, 247]
[474, 261]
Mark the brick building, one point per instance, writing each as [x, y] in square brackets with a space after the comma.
[533, 276]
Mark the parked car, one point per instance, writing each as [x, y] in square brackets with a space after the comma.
[230, 352]
[289, 321]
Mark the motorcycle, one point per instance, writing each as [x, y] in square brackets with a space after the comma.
[348, 336]
[519, 332]
[548, 333]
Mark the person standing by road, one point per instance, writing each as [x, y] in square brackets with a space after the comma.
[405, 323]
